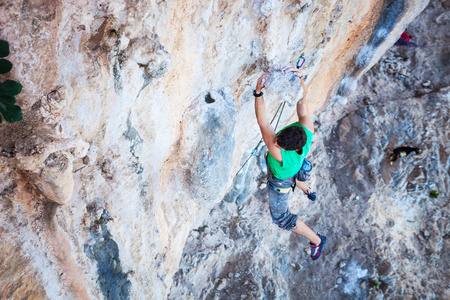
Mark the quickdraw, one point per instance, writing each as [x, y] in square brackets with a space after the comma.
[302, 60]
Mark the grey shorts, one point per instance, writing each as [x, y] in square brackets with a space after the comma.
[279, 204]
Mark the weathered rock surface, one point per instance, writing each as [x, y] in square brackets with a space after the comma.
[137, 114]
[388, 237]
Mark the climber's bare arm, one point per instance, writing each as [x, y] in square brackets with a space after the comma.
[267, 131]
[304, 116]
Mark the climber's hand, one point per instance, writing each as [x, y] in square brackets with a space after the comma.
[294, 70]
[285, 69]
[261, 82]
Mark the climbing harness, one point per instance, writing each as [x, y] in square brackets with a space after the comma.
[280, 190]
[255, 150]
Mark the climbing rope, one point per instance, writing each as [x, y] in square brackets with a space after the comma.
[255, 150]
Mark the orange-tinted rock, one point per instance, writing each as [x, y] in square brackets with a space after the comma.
[124, 84]
[19, 276]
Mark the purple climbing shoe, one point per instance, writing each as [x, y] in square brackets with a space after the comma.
[316, 250]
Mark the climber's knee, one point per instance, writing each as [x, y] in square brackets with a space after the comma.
[286, 221]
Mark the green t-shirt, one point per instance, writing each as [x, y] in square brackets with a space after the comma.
[292, 161]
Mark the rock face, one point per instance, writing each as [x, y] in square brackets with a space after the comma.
[137, 115]
[379, 163]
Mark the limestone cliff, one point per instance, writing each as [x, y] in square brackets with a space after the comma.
[381, 172]
[137, 115]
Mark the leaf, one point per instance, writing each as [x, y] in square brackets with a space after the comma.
[10, 88]
[11, 113]
[5, 66]
[434, 194]
[10, 99]
[4, 48]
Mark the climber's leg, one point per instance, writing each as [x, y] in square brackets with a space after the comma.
[278, 190]
[302, 229]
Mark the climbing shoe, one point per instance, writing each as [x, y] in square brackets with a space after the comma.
[316, 250]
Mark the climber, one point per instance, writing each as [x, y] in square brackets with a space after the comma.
[287, 164]
[405, 40]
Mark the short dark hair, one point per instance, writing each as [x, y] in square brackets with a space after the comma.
[292, 138]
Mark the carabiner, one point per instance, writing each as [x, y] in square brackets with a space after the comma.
[302, 59]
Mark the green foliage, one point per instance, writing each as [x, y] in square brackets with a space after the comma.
[10, 99]
[4, 48]
[8, 89]
[5, 66]
[11, 113]
[434, 194]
